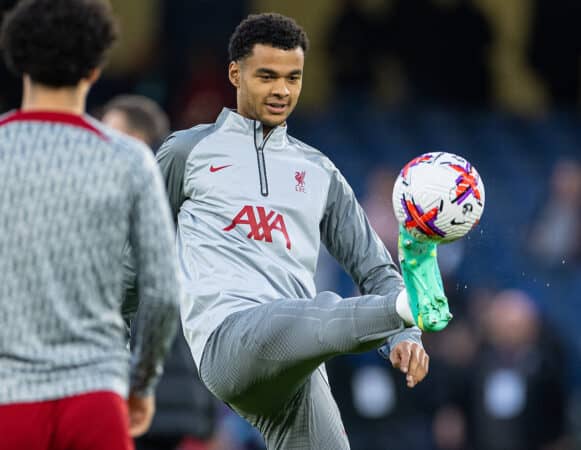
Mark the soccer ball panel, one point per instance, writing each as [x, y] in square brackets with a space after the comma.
[438, 196]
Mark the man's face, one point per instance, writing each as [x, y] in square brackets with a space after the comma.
[268, 83]
[118, 120]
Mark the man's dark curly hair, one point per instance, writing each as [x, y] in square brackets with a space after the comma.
[271, 29]
[57, 42]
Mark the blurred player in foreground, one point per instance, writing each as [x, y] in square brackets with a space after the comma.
[72, 192]
[252, 206]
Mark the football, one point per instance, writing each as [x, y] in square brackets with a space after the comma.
[438, 196]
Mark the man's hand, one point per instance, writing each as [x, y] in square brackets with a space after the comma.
[141, 410]
[411, 359]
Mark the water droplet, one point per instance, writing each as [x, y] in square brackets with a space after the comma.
[523, 274]
[563, 262]
[465, 286]
[548, 284]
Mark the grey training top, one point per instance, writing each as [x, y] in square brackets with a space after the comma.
[251, 214]
[72, 192]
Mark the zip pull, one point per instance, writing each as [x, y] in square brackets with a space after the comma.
[262, 172]
[261, 162]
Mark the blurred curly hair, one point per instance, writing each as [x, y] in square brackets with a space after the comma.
[57, 42]
[271, 29]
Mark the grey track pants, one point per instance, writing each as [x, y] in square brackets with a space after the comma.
[264, 362]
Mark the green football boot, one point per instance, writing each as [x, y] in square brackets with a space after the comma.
[423, 282]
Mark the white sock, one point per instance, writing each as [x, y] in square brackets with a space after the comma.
[403, 309]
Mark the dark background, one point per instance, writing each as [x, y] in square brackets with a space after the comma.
[496, 81]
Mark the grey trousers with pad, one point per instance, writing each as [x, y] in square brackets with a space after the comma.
[267, 363]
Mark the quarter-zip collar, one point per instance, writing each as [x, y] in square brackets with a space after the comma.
[230, 120]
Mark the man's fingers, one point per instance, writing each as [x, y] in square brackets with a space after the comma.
[138, 429]
[405, 358]
[414, 360]
[138, 424]
[395, 357]
[141, 410]
[419, 367]
[423, 367]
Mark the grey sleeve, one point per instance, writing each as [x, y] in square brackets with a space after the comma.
[349, 237]
[152, 240]
[130, 298]
[171, 158]
[347, 234]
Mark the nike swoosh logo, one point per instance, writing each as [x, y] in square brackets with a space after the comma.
[215, 169]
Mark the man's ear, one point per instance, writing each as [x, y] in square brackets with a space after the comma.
[234, 73]
[94, 75]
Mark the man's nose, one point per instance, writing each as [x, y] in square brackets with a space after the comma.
[280, 88]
